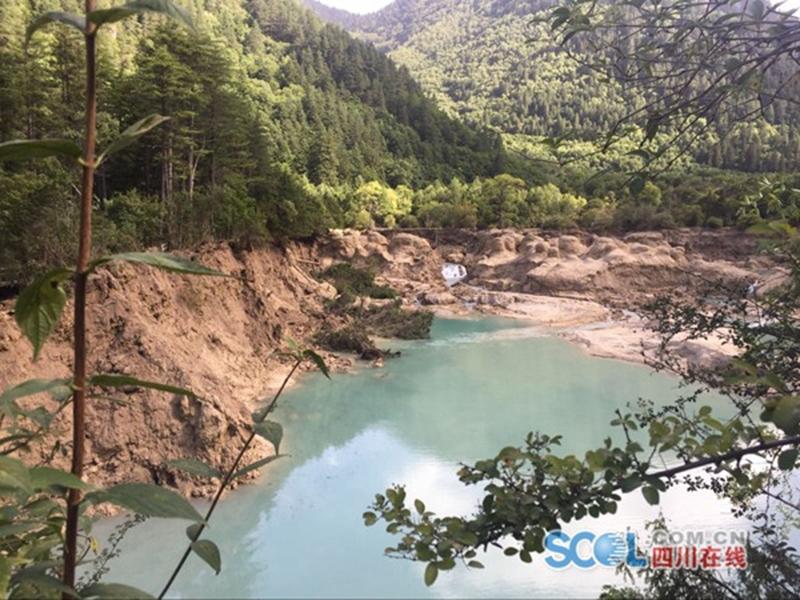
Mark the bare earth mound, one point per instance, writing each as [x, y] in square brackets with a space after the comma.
[218, 337]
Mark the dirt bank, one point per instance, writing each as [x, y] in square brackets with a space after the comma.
[581, 286]
[219, 337]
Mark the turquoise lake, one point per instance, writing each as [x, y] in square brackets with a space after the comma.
[475, 387]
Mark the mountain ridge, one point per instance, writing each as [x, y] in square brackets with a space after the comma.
[488, 63]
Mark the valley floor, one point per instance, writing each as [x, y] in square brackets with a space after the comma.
[220, 339]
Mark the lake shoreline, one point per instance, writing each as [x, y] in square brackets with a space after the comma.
[222, 339]
[600, 331]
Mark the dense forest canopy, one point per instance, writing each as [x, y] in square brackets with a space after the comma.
[282, 126]
[492, 63]
[274, 115]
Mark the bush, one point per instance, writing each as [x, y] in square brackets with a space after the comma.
[449, 216]
[408, 222]
[690, 215]
[715, 223]
[392, 321]
[348, 339]
[138, 219]
[351, 281]
[38, 222]
[599, 216]
[554, 209]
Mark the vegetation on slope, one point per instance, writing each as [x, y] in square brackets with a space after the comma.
[274, 117]
[492, 63]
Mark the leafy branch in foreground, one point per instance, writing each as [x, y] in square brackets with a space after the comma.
[746, 449]
[43, 511]
[270, 431]
[43, 524]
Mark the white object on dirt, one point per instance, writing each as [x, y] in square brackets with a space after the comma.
[453, 273]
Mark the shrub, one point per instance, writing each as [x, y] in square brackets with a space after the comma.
[690, 215]
[351, 281]
[408, 222]
[138, 219]
[348, 339]
[392, 321]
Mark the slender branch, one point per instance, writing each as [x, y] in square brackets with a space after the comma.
[732, 455]
[226, 481]
[81, 279]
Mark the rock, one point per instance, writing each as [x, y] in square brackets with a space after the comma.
[569, 245]
[497, 300]
[603, 246]
[645, 237]
[437, 298]
[500, 248]
[572, 274]
[406, 248]
[406, 242]
[327, 291]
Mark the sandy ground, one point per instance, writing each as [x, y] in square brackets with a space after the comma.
[596, 328]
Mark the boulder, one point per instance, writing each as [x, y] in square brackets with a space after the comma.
[569, 245]
[437, 298]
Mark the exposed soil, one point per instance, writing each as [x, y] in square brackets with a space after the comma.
[219, 337]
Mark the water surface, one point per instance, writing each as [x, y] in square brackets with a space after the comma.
[477, 386]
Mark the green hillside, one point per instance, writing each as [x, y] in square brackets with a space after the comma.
[275, 118]
[490, 63]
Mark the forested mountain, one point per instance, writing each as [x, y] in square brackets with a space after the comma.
[282, 126]
[275, 117]
[490, 62]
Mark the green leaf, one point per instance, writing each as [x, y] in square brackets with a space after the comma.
[257, 465]
[787, 459]
[14, 474]
[109, 380]
[5, 575]
[31, 388]
[160, 260]
[630, 483]
[786, 414]
[147, 500]
[651, 128]
[39, 307]
[270, 431]
[130, 135]
[194, 467]
[43, 582]
[431, 573]
[474, 564]
[370, 518]
[162, 7]
[193, 531]
[113, 590]
[637, 185]
[76, 21]
[650, 494]
[420, 506]
[13, 529]
[208, 551]
[46, 477]
[33, 149]
[319, 361]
